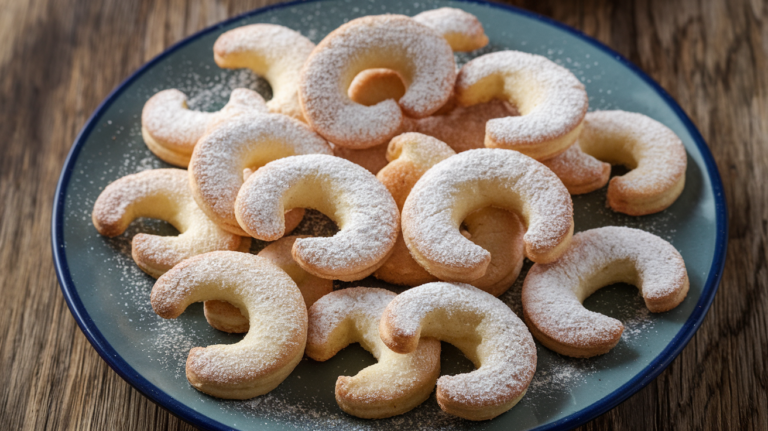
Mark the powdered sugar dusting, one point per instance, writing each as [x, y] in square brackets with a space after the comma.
[658, 152]
[166, 118]
[506, 351]
[313, 414]
[209, 93]
[551, 100]
[216, 168]
[576, 163]
[553, 293]
[165, 343]
[479, 178]
[163, 194]
[462, 30]
[361, 206]
[276, 311]
[578, 170]
[386, 41]
[274, 51]
[168, 121]
[328, 312]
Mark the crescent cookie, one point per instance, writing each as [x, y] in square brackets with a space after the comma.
[462, 30]
[393, 386]
[654, 154]
[246, 142]
[496, 230]
[351, 196]
[410, 156]
[551, 100]
[579, 172]
[160, 194]
[275, 52]
[553, 293]
[475, 179]
[276, 313]
[463, 129]
[483, 328]
[228, 318]
[422, 58]
[171, 130]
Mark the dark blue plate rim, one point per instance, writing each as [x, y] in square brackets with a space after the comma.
[129, 374]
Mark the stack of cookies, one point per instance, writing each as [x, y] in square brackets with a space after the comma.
[438, 179]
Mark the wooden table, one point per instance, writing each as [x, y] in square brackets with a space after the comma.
[60, 58]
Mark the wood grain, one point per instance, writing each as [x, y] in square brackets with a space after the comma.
[60, 58]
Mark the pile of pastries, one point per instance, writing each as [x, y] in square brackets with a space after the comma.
[438, 178]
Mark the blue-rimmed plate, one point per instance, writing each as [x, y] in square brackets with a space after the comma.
[109, 296]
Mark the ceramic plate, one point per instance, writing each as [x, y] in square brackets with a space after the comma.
[109, 296]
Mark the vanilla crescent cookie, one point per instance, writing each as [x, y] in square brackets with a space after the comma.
[393, 386]
[171, 130]
[246, 142]
[421, 56]
[276, 313]
[461, 29]
[579, 172]
[463, 32]
[553, 293]
[275, 52]
[361, 206]
[498, 231]
[160, 194]
[228, 318]
[475, 179]
[654, 154]
[410, 155]
[551, 100]
[483, 328]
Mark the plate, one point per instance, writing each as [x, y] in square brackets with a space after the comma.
[109, 296]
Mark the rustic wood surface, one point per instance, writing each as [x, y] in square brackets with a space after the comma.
[60, 58]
